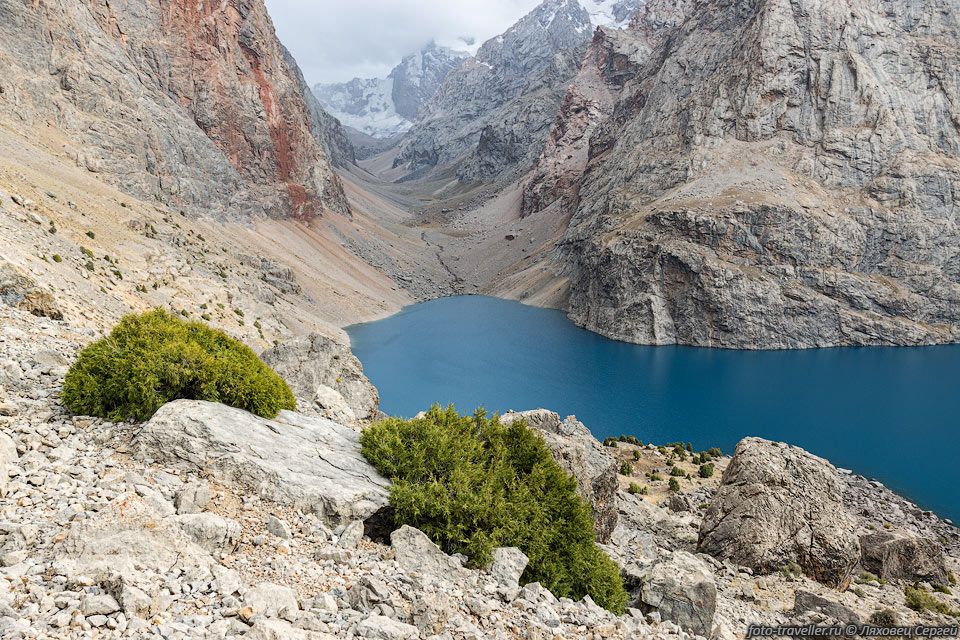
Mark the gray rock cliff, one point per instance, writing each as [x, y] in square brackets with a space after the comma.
[777, 175]
[189, 104]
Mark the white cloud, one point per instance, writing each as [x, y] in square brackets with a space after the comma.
[334, 41]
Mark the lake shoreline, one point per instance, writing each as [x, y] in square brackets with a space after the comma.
[854, 406]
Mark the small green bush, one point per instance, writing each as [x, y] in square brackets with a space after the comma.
[609, 441]
[714, 452]
[884, 618]
[57, 258]
[677, 471]
[636, 454]
[153, 358]
[654, 476]
[635, 488]
[919, 600]
[674, 484]
[473, 484]
[792, 571]
[626, 469]
[952, 579]
[706, 470]
[91, 235]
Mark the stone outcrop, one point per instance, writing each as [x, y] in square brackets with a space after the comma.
[324, 374]
[326, 129]
[767, 179]
[191, 104]
[898, 557]
[581, 455]
[311, 464]
[19, 290]
[681, 588]
[416, 552]
[777, 506]
[129, 536]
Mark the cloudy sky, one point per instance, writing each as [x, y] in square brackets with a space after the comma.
[336, 40]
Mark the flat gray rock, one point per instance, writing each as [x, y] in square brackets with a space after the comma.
[312, 464]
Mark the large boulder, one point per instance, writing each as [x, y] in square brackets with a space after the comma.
[415, 552]
[580, 454]
[311, 464]
[804, 601]
[128, 536]
[325, 374]
[778, 505]
[680, 587]
[893, 556]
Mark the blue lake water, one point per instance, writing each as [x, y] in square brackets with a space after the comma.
[886, 413]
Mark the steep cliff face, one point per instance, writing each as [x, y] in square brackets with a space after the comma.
[779, 174]
[188, 103]
[327, 130]
[613, 58]
[494, 112]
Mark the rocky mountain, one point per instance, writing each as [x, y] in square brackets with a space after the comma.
[192, 105]
[770, 175]
[494, 112]
[327, 130]
[384, 107]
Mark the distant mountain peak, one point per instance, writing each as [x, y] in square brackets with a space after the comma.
[384, 107]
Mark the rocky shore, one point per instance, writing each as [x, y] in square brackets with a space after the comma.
[208, 522]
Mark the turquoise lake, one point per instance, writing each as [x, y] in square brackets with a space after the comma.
[889, 413]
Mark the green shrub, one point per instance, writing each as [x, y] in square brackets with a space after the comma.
[626, 469]
[792, 571]
[919, 600]
[706, 470]
[57, 258]
[952, 579]
[636, 454]
[635, 488]
[674, 484]
[153, 358]
[884, 618]
[942, 589]
[654, 476]
[609, 441]
[714, 452]
[866, 576]
[472, 484]
[91, 235]
[677, 471]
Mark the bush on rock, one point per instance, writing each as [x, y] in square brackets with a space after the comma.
[473, 484]
[155, 357]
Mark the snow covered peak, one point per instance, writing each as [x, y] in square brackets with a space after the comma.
[384, 107]
[611, 13]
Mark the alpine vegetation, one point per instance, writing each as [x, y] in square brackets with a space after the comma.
[155, 357]
[473, 484]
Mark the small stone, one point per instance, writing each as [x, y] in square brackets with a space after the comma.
[98, 620]
[352, 535]
[278, 527]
